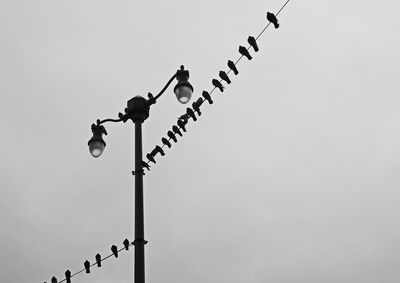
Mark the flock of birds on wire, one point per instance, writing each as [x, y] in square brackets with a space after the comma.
[206, 96]
[176, 130]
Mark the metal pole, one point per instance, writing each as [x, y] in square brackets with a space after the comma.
[139, 210]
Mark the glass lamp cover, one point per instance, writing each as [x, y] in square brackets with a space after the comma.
[183, 93]
[96, 148]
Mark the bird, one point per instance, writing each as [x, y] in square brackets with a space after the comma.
[126, 244]
[114, 250]
[232, 66]
[224, 76]
[190, 112]
[272, 18]
[159, 149]
[176, 130]
[252, 41]
[172, 136]
[243, 50]
[218, 85]
[145, 165]
[87, 266]
[98, 260]
[68, 276]
[54, 280]
[151, 158]
[207, 97]
[166, 142]
[196, 105]
[184, 117]
[181, 123]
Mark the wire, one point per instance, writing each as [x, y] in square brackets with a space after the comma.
[240, 58]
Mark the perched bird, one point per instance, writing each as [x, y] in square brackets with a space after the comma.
[207, 96]
[232, 66]
[126, 244]
[68, 276]
[172, 136]
[98, 260]
[218, 85]
[272, 18]
[224, 76]
[87, 266]
[151, 158]
[176, 130]
[243, 50]
[166, 142]
[159, 149]
[114, 250]
[54, 280]
[182, 124]
[190, 112]
[252, 41]
[145, 165]
[184, 117]
[196, 105]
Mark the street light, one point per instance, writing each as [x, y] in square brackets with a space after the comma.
[138, 109]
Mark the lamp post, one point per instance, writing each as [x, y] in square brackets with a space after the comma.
[138, 109]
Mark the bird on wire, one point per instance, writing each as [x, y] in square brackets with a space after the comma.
[166, 142]
[176, 130]
[272, 18]
[172, 136]
[126, 244]
[218, 85]
[98, 260]
[182, 124]
[159, 150]
[190, 112]
[232, 66]
[252, 41]
[151, 158]
[224, 76]
[207, 97]
[196, 105]
[114, 249]
[68, 276]
[243, 50]
[145, 165]
[86, 264]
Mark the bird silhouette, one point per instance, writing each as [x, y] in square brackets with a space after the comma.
[190, 112]
[272, 18]
[243, 50]
[232, 66]
[252, 41]
[151, 158]
[98, 260]
[196, 105]
[159, 149]
[126, 244]
[224, 76]
[181, 123]
[166, 142]
[176, 130]
[86, 264]
[207, 97]
[184, 117]
[145, 165]
[114, 250]
[54, 280]
[68, 276]
[172, 136]
[218, 85]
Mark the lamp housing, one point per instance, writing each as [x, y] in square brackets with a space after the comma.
[96, 143]
[183, 89]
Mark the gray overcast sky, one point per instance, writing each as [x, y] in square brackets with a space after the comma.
[292, 175]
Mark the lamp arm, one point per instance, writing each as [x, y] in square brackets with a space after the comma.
[165, 87]
[108, 120]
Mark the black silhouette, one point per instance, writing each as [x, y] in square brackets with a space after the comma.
[145, 165]
[159, 150]
[207, 96]
[272, 18]
[151, 158]
[98, 260]
[176, 130]
[243, 50]
[224, 76]
[87, 266]
[196, 105]
[252, 41]
[126, 244]
[184, 117]
[166, 142]
[54, 280]
[114, 250]
[232, 66]
[181, 123]
[172, 136]
[68, 276]
[190, 112]
[218, 85]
